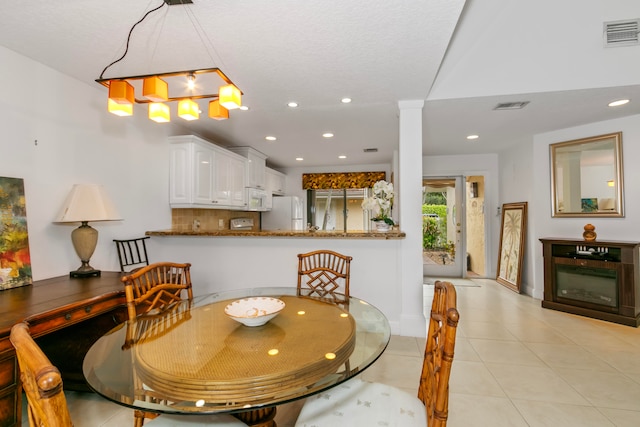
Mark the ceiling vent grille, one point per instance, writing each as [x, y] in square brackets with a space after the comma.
[511, 105]
[621, 33]
[370, 150]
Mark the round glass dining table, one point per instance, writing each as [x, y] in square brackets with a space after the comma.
[194, 359]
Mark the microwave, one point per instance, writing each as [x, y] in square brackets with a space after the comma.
[256, 199]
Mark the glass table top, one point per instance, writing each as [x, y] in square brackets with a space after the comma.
[193, 358]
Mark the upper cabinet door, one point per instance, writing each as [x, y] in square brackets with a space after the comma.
[204, 178]
[276, 182]
[230, 171]
[256, 166]
[180, 173]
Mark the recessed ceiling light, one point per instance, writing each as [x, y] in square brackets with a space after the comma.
[618, 102]
[299, 159]
[270, 138]
[292, 104]
[244, 108]
[342, 157]
[473, 137]
[346, 100]
[327, 135]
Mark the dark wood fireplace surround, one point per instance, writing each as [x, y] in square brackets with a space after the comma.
[621, 257]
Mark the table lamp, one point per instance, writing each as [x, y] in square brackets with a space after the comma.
[86, 202]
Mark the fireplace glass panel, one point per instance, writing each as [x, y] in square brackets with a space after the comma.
[587, 284]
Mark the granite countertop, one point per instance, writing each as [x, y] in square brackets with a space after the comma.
[393, 234]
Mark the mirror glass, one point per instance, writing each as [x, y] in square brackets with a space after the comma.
[586, 177]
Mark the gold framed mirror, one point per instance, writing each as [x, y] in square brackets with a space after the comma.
[586, 177]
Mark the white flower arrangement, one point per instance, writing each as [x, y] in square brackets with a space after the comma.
[381, 202]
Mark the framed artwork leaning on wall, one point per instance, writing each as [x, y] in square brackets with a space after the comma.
[512, 237]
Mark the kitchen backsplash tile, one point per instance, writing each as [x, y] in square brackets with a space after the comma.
[209, 219]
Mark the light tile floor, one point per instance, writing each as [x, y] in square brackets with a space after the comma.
[516, 364]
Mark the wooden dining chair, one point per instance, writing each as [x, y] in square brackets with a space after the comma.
[362, 404]
[41, 382]
[156, 286]
[324, 274]
[132, 253]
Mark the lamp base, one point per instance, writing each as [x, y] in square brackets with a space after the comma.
[85, 273]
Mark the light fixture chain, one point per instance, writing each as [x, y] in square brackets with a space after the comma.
[206, 41]
[155, 47]
[129, 38]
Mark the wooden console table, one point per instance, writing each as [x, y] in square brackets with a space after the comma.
[599, 279]
[52, 306]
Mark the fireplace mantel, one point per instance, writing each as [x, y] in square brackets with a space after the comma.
[598, 279]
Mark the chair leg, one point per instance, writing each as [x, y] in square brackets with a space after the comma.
[139, 416]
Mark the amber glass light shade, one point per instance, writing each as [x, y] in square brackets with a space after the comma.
[217, 111]
[120, 109]
[121, 92]
[155, 89]
[188, 109]
[230, 97]
[159, 112]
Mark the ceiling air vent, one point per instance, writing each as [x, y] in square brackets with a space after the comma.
[621, 33]
[511, 105]
[370, 150]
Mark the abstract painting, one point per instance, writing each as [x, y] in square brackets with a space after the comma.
[15, 261]
[512, 236]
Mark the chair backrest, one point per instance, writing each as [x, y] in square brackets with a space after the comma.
[438, 355]
[324, 274]
[132, 253]
[156, 286]
[41, 382]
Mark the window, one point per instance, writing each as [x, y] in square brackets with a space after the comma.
[339, 210]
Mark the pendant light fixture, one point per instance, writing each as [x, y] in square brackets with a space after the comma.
[188, 109]
[230, 96]
[120, 98]
[156, 89]
[159, 112]
[217, 111]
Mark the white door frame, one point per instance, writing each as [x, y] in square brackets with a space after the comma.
[459, 267]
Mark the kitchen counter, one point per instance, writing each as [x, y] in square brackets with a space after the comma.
[296, 234]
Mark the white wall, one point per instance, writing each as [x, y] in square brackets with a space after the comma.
[55, 133]
[221, 263]
[79, 142]
[517, 181]
[466, 165]
[627, 228]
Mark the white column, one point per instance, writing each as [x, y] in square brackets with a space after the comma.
[409, 191]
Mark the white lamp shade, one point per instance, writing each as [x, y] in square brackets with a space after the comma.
[88, 202]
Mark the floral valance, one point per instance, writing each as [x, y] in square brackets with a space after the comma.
[340, 180]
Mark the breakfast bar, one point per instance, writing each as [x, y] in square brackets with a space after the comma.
[359, 234]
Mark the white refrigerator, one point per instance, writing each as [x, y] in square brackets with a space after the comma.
[287, 213]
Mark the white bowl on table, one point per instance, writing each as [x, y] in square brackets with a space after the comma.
[254, 311]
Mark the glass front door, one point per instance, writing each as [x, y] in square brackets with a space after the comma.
[442, 227]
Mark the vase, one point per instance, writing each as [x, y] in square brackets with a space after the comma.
[381, 226]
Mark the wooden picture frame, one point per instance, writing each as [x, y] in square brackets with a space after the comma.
[512, 238]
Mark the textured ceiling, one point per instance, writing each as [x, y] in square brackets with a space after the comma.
[376, 52]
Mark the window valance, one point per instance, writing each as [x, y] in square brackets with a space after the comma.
[340, 180]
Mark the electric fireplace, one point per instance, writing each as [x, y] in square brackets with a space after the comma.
[594, 279]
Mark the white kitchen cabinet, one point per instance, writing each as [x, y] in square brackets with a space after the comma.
[256, 166]
[230, 180]
[204, 175]
[276, 182]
